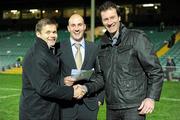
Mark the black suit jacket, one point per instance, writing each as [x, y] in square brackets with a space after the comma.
[40, 89]
[68, 63]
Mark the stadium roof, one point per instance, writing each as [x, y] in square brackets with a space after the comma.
[10, 4]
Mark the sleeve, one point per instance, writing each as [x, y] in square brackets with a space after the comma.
[97, 81]
[101, 92]
[151, 65]
[101, 95]
[38, 73]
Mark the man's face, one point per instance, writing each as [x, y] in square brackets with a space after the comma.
[48, 34]
[76, 27]
[110, 20]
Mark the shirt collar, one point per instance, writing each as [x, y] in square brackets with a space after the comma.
[116, 35]
[82, 42]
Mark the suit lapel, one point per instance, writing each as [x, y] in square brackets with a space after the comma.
[87, 54]
[68, 55]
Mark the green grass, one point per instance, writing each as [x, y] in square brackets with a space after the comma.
[9, 105]
[167, 109]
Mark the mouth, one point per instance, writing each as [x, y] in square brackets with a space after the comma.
[77, 33]
[51, 39]
[112, 25]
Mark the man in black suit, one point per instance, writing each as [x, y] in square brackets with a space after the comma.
[40, 89]
[86, 108]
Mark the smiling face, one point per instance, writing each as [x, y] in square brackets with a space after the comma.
[76, 27]
[111, 20]
[48, 33]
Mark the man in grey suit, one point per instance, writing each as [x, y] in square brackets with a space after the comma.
[40, 89]
[86, 108]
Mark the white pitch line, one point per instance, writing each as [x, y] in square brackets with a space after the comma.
[13, 89]
[170, 99]
[8, 96]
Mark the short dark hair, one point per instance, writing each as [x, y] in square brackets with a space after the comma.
[108, 5]
[43, 22]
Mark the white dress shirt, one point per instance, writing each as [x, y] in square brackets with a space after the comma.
[82, 48]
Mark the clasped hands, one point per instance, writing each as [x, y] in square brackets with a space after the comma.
[79, 90]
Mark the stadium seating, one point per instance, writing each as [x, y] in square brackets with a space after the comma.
[15, 44]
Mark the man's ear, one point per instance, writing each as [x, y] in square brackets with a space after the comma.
[68, 28]
[119, 18]
[37, 34]
[84, 26]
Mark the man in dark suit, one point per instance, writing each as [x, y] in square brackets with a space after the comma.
[40, 89]
[86, 108]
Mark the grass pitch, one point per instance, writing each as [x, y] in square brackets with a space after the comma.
[10, 87]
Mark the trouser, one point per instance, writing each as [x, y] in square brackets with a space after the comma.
[124, 114]
[79, 112]
[169, 76]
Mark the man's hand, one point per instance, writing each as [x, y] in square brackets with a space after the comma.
[69, 81]
[99, 103]
[79, 91]
[147, 106]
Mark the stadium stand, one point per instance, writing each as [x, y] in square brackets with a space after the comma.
[15, 44]
[12, 46]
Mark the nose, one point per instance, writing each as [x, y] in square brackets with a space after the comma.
[109, 22]
[76, 28]
[53, 34]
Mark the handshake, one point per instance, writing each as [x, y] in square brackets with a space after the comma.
[79, 90]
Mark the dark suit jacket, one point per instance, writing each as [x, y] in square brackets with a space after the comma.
[68, 63]
[40, 89]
